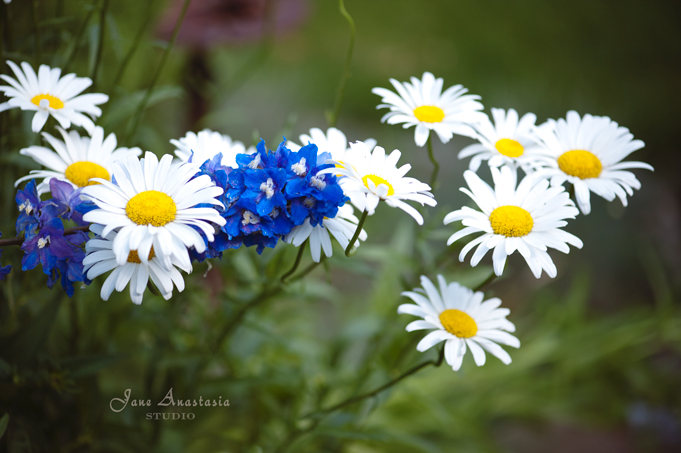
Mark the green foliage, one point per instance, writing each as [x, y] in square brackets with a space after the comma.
[600, 341]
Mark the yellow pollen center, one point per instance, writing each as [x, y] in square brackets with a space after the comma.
[133, 257]
[511, 221]
[458, 323]
[377, 180]
[429, 114]
[151, 208]
[509, 147]
[80, 173]
[580, 163]
[55, 102]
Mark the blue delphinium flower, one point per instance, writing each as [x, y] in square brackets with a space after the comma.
[310, 194]
[43, 230]
[28, 203]
[4, 270]
[245, 226]
[268, 194]
[46, 246]
[68, 202]
[70, 269]
[256, 211]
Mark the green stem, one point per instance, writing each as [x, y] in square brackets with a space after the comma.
[100, 41]
[333, 119]
[60, 8]
[264, 295]
[36, 29]
[20, 240]
[357, 233]
[137, 117]
[355, 399]
[299, 257]
[487, 281]
[136, 42]
[308, 269]
[154, 290]
[436, 166]
[77, 41]
[243, 74]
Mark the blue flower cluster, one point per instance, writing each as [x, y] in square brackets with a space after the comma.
[269, 194]
[46, 242]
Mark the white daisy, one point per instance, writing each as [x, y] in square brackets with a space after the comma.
[333, 142]
[508, 141]
[461, 319]
[371, 176]
[50, 94]
[587, 152]
[100, 259]
[153, 203]
[422, 103]
[76, 159]
[206, 144]
[527, 219]
[342, 227]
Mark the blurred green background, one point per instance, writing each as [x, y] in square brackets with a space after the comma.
[600, 362]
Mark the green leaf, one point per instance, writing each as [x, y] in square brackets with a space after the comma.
[5, 369]
[4, 421]
[123, 108]
[87, 365]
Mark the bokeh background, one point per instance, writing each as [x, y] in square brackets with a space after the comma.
[600, 362]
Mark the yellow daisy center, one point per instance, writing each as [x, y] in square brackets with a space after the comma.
[511, 221]
[429, 114]
[458, 323]
[151, 207]
[509, 147]
[580, 163]
[133, 257]
[55, 102]
[377, 180]
[80, 173]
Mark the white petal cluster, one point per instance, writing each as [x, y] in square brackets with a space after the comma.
[459, 317]
[206, 145]
[342, 228]
[152, 209]
[101, 259]
[510, 140]
[333, 142]
[369, 176]
[528, 219]
[65, 160]
[422, 103]
[50, 94]
[587, 152]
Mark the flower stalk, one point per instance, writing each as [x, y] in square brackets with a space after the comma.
[363, 219]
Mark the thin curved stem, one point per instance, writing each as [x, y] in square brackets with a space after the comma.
[154, 290]
[435, 362]
[77, 41]
[19, 241]
[136, 118]
[100, 41]
[363, 219]
[308, 269]
[436, 166]
[487, 281]
[36, 29]
[136, 42]
[296, 263]
[333, 118]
